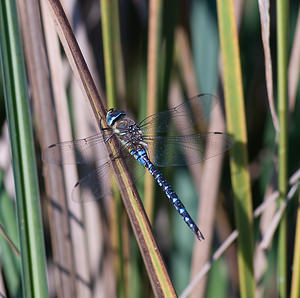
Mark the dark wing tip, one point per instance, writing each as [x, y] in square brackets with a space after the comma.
[49, 155]
[228, 139]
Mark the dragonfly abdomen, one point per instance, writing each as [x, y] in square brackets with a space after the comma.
[141, 157]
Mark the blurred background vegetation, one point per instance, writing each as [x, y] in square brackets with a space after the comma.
[145, 56]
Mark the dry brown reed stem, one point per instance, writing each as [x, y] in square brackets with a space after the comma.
[207, 176]
[265, 32]
[294, 66]
[152, 87]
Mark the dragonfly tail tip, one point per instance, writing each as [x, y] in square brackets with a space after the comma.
[200, 236]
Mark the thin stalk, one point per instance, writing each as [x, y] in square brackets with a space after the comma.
[9, 241]
[10, 261]
[32, 248]
[282, 50]
[118, 56]
[265, 32]
[110, 77]
[236, 123]
[108, 8]
[295, 288]
[154, 37]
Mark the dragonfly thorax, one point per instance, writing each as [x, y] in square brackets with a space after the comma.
[127, 131]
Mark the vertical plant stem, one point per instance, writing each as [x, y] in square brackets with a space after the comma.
[282, 47]
[236, 122]
[154, 36]
[108, 9]
[10, 262]
[32, 248]
[108, 52]
[295, 288]
[118, 56]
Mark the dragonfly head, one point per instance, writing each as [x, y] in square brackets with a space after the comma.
[113, 115]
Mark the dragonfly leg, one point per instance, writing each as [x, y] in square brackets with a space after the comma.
[108, 138]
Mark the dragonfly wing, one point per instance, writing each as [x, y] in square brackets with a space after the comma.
[78, 151]
[96, 182]
[195, 111]
[187, 150]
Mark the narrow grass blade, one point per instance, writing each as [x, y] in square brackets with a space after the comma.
[282, 52]
[110, 42]
[110, 78]
[10, 255]
[118, 55]
[294, 66]
[295, 287]
[236, 122]
[265, 32]
[32, 249]
[153, 59]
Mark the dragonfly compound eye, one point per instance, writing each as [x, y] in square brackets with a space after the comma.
[113, 115]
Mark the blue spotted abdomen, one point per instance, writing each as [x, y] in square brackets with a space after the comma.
[141, 157]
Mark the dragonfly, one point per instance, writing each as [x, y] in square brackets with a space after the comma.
[160, 140]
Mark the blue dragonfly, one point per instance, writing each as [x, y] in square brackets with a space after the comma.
[153, 143]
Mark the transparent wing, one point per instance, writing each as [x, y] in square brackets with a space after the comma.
[195, 111]
[96, 182]
[190, 149]
[77, 151]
